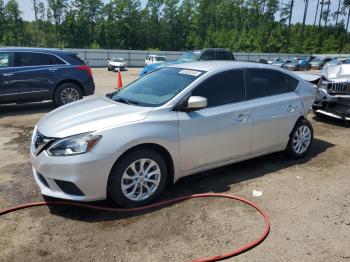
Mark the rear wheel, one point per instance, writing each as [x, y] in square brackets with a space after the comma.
[67, 93]
[301, 139]
[138, 178]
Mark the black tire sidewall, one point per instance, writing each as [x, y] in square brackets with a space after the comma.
[57, 97]
[290, 149]
[114, 181]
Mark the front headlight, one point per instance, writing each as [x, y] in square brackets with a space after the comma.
[74, 145]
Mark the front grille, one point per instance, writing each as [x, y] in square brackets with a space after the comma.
[339, 88]
[40, 142]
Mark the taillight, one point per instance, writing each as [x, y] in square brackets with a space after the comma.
[86, 68]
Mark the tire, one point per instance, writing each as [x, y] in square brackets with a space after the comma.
[109, 69]
[124, 181]
[67, 93]
[304, 129]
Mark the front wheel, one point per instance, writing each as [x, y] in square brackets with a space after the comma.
[301, 139]
[138, 178]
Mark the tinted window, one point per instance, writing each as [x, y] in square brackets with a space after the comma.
[54, 60]
[221, 89]
[5, 60]
[262, 82]
[31, 59]
[223, 56]
[208, 55]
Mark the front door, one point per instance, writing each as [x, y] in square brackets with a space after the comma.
[220, 132]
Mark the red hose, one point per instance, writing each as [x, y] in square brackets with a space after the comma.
[164, 203]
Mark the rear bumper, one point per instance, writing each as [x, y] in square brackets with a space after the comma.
[89, 87]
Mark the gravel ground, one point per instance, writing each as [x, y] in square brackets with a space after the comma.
[308, 202]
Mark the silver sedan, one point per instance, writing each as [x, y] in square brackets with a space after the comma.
[173, 122]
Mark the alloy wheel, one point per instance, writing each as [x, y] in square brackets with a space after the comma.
[301, 139]
[69, 95]
[141, 179]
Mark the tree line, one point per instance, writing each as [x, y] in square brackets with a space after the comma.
[239, 25]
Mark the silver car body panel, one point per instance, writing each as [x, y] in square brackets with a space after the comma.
[196, 141]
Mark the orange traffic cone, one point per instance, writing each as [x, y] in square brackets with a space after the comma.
[119, 80]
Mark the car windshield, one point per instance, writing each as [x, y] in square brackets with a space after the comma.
[159, 58]
[117, 60]
[334, 61]
[190, 56]
[158, 87]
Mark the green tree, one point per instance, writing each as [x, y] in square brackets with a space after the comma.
[13, 33]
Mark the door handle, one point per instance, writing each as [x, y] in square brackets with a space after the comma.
[7, 74]
[290, 108]
[242, 118]
[53, 69]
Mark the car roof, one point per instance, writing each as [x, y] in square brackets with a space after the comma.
[31, 49]
[217, 65]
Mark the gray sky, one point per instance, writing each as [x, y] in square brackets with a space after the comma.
[26, 8]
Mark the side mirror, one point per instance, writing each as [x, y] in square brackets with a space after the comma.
[196, 103]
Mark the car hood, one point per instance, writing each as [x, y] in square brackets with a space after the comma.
[91, 114]
[337, 73]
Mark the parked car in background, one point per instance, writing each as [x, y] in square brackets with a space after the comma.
[279, 62]
[116, 64]
[338, 61]
[297, 64]
[164, 126]
[333, 94]
[319, 62]
[191, 56]
[155, 59]
[33, 74]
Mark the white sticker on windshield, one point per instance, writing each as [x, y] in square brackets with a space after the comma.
[190, 72]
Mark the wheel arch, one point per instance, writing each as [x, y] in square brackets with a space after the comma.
[72, 81]
[154, 147]
[296, 122]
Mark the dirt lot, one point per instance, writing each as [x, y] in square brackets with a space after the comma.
[308, 202]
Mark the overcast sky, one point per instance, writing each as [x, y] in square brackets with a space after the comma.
[28, 13]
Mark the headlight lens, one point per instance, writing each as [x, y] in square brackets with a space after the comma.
[73, 145]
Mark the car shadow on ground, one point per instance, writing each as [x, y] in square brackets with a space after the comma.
[26, 109]
[218, 180]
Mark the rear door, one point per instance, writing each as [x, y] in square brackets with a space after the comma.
[220, 132]
[36, 75]
[275, 108]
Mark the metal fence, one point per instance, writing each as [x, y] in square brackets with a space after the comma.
[136, 58]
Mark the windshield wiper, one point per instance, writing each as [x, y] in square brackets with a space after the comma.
[125, 101]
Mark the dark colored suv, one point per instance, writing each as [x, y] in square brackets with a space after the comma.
[191, 56]
[32, 74]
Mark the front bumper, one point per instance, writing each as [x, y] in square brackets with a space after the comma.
[336, 106]
[81, 178]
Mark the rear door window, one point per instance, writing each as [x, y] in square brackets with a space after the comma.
[30, 59]
[221, 89]
[6, 59]
[265, 82]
